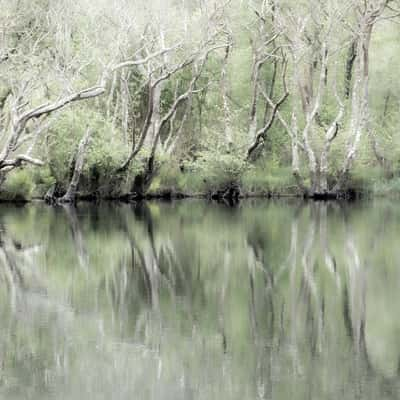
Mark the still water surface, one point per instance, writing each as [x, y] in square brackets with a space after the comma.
[192, 300]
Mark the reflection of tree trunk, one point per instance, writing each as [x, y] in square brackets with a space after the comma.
[157, 262]
[354, 298]
[11, 277]
[152, 268]
[149, 258]
[221, 313]
[311, 289]
[77, 237]
[262, 344]
[137, 256]
[17, 267]
[330, 261]
[294, 305]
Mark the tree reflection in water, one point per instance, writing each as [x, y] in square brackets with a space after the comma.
[196, 300]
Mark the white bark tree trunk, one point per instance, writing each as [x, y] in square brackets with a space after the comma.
[156, 117]
[225, 101]
[70, 196]
[360, 104]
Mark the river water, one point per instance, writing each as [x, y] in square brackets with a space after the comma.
[195, 300]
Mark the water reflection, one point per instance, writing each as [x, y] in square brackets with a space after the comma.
[193, 300]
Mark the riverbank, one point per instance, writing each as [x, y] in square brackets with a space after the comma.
[278, 182]
[223, 195]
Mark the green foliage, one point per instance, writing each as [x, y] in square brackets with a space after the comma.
[105, 153]
[218, 168]
[169, 178]
[42, 180]
[18, 186]
[269, 178]
[209, 166]
[388, 187]
[192, 183]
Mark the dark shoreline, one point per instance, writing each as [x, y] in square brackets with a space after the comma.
[350, 195]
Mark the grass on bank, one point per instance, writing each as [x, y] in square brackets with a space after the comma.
[267, 179]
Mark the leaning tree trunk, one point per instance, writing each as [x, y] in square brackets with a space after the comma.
[70, 196]
[2, 178]
[156, 116]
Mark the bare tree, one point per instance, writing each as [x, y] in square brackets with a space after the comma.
[368, 14]
[315, 41]
[265, 51]
[31, 60]
[156, 71]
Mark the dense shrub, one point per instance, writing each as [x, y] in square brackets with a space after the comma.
[269, 178]
[18, 186]
[216, 169]
[167, 179]
[42, 180]
[105, 153]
